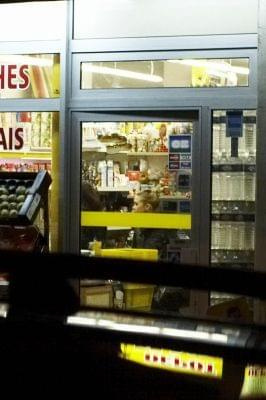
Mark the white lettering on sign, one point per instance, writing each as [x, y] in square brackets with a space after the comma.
[11, 138]
[14, 76]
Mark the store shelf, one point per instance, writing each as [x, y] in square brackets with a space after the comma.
[127, 153]
[136, 220]
[150, 154]
[233, 217]
[113, 189]
[29, 155]
[234, 168]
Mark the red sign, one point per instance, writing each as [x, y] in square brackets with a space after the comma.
[14, 76]
[11, 138]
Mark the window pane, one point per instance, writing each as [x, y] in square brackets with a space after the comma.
[136, 189]
[29, 76]
[165, 73]
[29, 142]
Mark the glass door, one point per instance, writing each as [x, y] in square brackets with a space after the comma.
[136, 189]
[139, 194]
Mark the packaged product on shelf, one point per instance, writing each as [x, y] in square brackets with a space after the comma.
[110, 174]
[46, 130]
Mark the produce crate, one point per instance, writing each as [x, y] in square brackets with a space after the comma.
[138, 296]
[21, 196]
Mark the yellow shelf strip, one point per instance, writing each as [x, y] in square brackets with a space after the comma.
[136, 220]
[34, 155]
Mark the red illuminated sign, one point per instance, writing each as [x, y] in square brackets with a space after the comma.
[11, 138]
[14, 76]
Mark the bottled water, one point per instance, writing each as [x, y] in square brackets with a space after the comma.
[223, 183]
[215, 235]
[225, 142]
[216, 142]
[250, 137]
[250, 236]
[224, 237]
[237, 237]
[249, 187]
[236, 186]
[216, 186]
[234, 236]
[241, 237]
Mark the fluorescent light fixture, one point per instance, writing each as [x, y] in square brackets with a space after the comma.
[155, 330]
[81, 321]
[188, 334]
[29, 60]
[222, 66]
[136, 328]
[86, 67]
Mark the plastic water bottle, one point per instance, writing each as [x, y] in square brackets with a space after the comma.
[216, 142]
[249, 186]
[250, 236]
[236, 186]
[216, 186]
[215, 235]
[225, 188]
[225, 142]
[250, 137]
[224, 240]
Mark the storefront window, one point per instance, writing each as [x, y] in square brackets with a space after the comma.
[29, 142]
[32, 76]
[165, 73]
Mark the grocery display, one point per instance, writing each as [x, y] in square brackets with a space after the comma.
[22, 195]
[29, 144]
[24, 219]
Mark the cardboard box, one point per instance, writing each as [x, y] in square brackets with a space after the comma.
[97, 296]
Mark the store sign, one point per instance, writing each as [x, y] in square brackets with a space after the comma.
[180, 148]
[187, 363]
[14, 77]
[254, 384]
[11, 138]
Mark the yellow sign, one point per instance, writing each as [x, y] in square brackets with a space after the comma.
[187, 363]
[254, 384]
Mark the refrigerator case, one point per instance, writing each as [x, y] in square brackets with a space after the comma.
[233, 192]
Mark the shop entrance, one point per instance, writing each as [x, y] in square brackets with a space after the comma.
[139, 175]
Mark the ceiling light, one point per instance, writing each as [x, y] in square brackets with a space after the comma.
[24, 59]
[121, 72]
[219, 66]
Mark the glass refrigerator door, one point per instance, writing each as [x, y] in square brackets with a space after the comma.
[233, 190]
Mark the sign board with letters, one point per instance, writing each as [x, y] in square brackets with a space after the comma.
[180, 152]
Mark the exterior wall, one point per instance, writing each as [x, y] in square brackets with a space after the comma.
[43, 20]
[150, 18]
